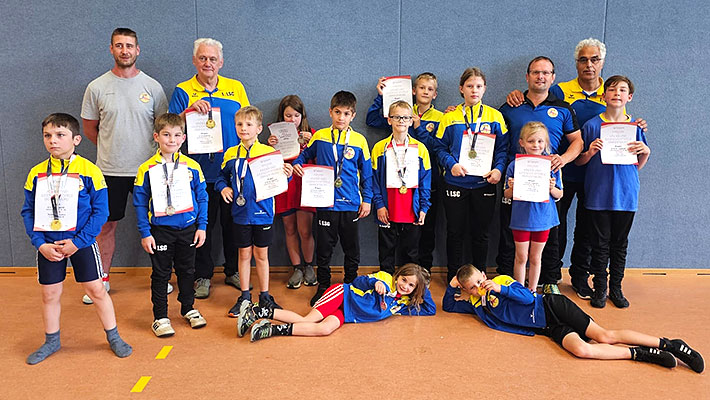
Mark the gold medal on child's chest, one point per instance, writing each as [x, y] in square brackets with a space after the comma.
[210, 123]
[472, 154]
[56, 225]
[338, 182]
[403, 189]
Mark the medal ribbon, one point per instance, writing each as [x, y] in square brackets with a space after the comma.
[209, 116]
[55, 189]
[169, 179]
[242, 169]
[472, 135]
[339, 162]
[401, 171]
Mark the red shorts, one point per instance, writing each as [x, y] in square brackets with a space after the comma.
[527, 236]
[331, 303]
[291, 199]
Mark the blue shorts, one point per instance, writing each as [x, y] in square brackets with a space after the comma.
[86, 263]
[257, 235]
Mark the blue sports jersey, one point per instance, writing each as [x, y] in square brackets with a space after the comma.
[532, 216]
[557, 116]
[515, 309]
[609, 187]
[356, 167]
[361, 303]
[229, 96]
[585, 106]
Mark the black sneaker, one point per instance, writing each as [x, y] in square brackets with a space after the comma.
[318, 295]
[581, 287]
[268, 302]
[599, 298]
[680, 349]
[617, 298]
[654, 356]
[262, 330]
[234, 311]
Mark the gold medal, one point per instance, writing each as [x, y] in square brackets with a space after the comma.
[338, 182]
[56, 225]
[210, 123]
[403, 189]
[472, 154]
[170, 210]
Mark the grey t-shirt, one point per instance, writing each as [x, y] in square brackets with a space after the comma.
[126, 109]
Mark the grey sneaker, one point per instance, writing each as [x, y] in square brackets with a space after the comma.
[202, 288]
[294, 282]
[247, 317]
[233, 280]
[261, 330]
[309, 276]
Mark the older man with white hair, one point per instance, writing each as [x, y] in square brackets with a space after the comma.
[203, 92]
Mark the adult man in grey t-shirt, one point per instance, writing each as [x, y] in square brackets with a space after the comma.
[118, 112]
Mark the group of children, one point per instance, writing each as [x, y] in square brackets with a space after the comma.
[426, 151]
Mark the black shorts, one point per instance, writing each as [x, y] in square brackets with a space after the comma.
[86, 263]
[257, 235]
[118, 189]
[563, 317]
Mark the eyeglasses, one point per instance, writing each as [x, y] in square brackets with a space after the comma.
[545, 73]
[213, 60]
[401, 118]
[583, 60]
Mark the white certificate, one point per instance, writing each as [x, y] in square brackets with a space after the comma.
[616, 137]
[267, 171]
[287, 134]
[69, 187]
[484, 147]
[180, 189]
[532, 178]
[204, 136]
[411, 161]
[317, 186]
[396, 88]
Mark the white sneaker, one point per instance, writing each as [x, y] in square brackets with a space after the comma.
[195, 319]
[170, 288]
[162, 328]
[87, 300]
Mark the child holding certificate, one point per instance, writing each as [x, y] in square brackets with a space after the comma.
[170, 198]
[401, 179]
[504, 304]
[471, 148]
[367, 299]
[252, 216]
[297, 220]
[531, 221]
[346, 152]
[612, 188]
[425, 122]
[66, 203]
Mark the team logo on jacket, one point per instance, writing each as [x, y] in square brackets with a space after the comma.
[552, 112]
[144, 97]
[349, 153]
[493, 301]
[485, 128]
[430, 127]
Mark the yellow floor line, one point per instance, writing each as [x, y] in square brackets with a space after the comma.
[140, 385]
[163, 352]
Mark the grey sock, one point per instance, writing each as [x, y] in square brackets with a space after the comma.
[119, 347]
[50, 346]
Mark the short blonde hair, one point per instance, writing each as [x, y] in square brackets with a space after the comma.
[249, 112]
[400, 104]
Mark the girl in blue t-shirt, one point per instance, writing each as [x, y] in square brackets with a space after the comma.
[531, 221]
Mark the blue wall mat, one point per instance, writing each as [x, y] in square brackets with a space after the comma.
[314, 48]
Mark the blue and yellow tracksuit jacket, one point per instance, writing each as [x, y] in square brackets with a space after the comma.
[356, 168]
[515, 309]
[253, 212]
[421, 195]
[92, 207]
[361, 303]
[143, 199]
